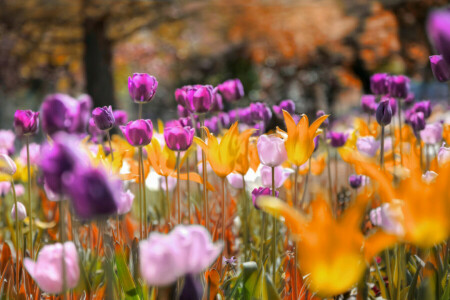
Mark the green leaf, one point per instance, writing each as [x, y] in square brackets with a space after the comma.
[124, 274]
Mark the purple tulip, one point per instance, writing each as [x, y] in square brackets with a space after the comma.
[212, 124]
[440, 68]
[379, 84]
[368, 104]
[199, 99]
[120, 116]
[432, 133]
[47, 270]
[399, 86]
[179, 138]
[443, 156]
[316, 143]
[417, 121]
[21, 212]
[103, 117]
[262, 191]
[182, 111]
[271, 150]
[92, 193]
[281, 175]
[138, 133]
[142, 87]
[56, 114]
[287, 105]
[7, 165]
[181, 95]
[217, 102]
[185, 250]
[392, 104]
[409, 100]
[233, 115]
[438, 25]
[96, 134]
[367, 146]
[224, 119]
[337, 139]
[384, 113]
[423, 106]
[325, 123]
[232, 90]
[81, 114]
[26, 122]
[259, 112]
[355, 181]
[245, 115]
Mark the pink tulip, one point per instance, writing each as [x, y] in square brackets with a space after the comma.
[47, 270]
[35, 154]
[443, 155]
[368, 146]
[185, 250]
[21, 212]
[235, 180]
[271, 150]
[281, 174]
[5, 187]
[125, 202]
[389, 217]
[432, 133]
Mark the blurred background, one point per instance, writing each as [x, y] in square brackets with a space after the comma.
[320, 53]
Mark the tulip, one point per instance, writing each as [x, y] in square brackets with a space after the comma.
[337, 139]
[35, 154]
[224, 119]
[440, 68]
[185, 250]
[392, 103]
[80, 114]
[259, 112]
[199, 99]
[21, 212]
[233, 115]
[103, 117]
[379, 84]
[424, 107]
[443, 156]
[262, 191]
[399, 86]
[47, 270]
[92, 193]
[179, 138]
[384, 113]
[7, 165]
[389, 217]
[437, 26]
[287, 105]
[409, 100]
[7, 138]
[417, 121]
[367, 146]
[368, 104]
[94, 131]
[138, 133]
[235, 180]
[325, 123]
[182, 111]
[429, 176]
[355, 181]
[26, 122]
[125, 202]
[5, 187]
[212, 124]
[120, 116]
[232, 90]
[142, 87]
[271, 150]
[432, 133]
[217, 102]
[281, 175]
[244, 115]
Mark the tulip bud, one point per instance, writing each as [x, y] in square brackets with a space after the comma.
[142, 87]
[432, 133]
[259, 112]
[26, 122]
[181, 96]
[437, 26]
[355, 181]
[384, 113]
[423, 106]
[120, 116]
[379, 84]
[369, 104]
[367, 145]
[417, 121]
[262, 191]
[179, 138]
[217, 102]
[440, 68]
[7, 165]
[224, 119]
[409, 100]
[199, 99]
[337, 139]
[182, 111]
[399, 86]
[21, 212]
[125, 202]
[103, 117]
[232, 90]
[138, 133]
[271, 150]
[287, 105]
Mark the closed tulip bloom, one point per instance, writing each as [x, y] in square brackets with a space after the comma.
[379, 84]
[287, 105]
[125, 202]
[235, 180]
[432, 133]
[384, 113]
[142, 87]
[399, 86]
[179, 138]
[7, 165]
[199, 98]
[417, 121]
[233, 114]
[138, 133]
[92, 193]
[181, 95]
[337, 139]
[259, 112]
[245, 115]
[367, 146]
[80, 114]
[392, 104]
[281, 175]
[409, 100]
[185, 250]
[232, 90]
[103, 117]
[440, 68]
[212, 124]
[325, 123]
[262, 191]
[389, 217]
[424, 107]
[47, 270]
[437, 26]
[271, 150]
[369, 104]
[26, 122]
[120, 116]
[56, 113]
[182, 111]
[355, 181]
[224, 119]
[21, 212]
[443, 156]
[217, 103]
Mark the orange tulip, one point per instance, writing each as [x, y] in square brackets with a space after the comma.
[242, 161]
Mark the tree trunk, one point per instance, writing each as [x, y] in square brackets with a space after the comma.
[98, 62]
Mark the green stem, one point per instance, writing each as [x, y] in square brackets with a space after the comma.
[140, 111]
[330, 192]
[205, 177]
[178, 188]
[262, 238]
[245, 211]
[17, 234]
[305, 187]
[188, 190]
[30, 210]
[400, 130]
[167, 199]
[294, 281]
[140, 198]
[62, 239]
[274, 233]
[223, 222]
[110, 146]
[387, 261]
[382, 148]
[142, 175]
